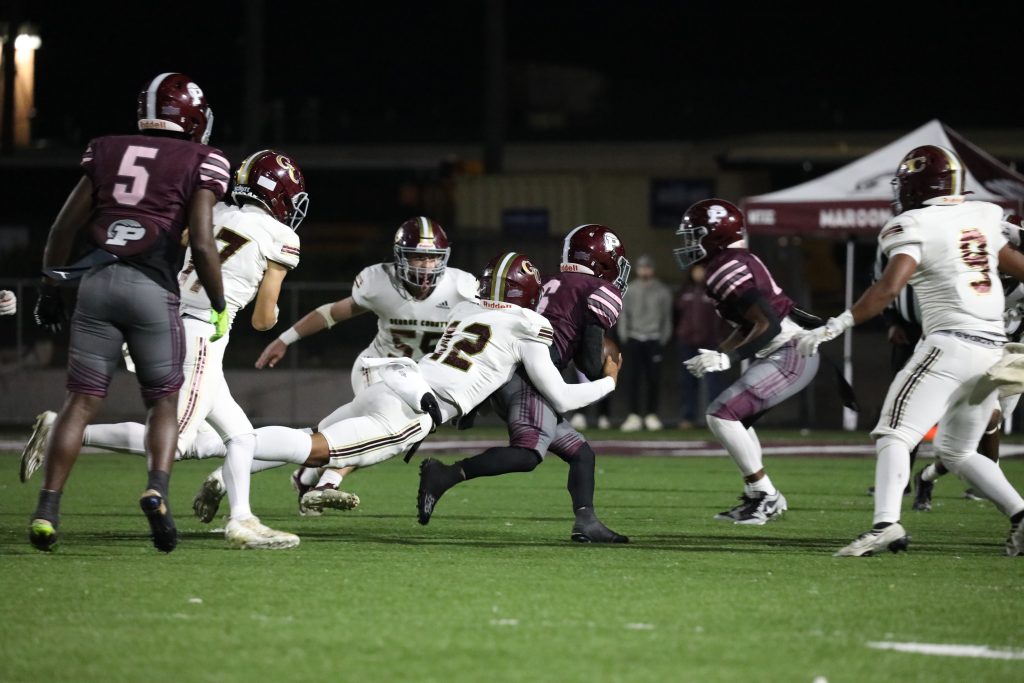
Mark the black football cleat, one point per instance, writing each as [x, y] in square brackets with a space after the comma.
[589, 529]
[922, 493]
[42, 534]
[596, 532]
[435, 479]
[161, 524]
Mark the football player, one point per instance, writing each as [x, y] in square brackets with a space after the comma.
[581, 303]
[1013, 290]
[411, 298]
[484, 343]
[764, 324]
[949, 249]
[260, 246]
[137, 194]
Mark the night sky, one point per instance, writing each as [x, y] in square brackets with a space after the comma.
[349, 73]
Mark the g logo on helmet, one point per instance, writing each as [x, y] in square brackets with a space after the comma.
[531, 270]
[195, 92]
[286, 163]
[716, 212]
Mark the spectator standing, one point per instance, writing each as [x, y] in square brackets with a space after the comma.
[697, 326]
[646, 326]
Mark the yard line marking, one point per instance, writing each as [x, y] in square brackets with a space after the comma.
[948, 650]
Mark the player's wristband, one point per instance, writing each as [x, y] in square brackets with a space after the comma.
[289, 336]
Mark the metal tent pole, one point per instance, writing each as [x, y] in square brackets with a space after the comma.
[849, 416]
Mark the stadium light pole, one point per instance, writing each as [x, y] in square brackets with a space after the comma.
[25, 46]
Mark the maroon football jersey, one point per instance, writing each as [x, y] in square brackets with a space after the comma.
[733, 276]
[573, 300]
[143, 188]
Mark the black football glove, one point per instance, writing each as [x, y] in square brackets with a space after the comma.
[49, 312]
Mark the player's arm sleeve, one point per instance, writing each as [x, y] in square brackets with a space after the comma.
[898, 232]
[214, 173]
[285, 249]
[545, 376]
[605, 306]
[364, 285]
[588, 358]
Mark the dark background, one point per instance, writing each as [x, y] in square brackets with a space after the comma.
[352, 73]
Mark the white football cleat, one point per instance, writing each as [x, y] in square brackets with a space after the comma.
[328, 497]
[633, 423]
[893, 537]
[35, 449]
[251, 534]
[652, 423]
[207, 499]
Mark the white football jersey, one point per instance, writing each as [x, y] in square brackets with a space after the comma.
[956, 282]
[407, 326]
[481, 349]
[248, 237]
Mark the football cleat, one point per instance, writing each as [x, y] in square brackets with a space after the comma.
[435, 479]
[632, 423]
[251, 534]
[207, 499]
[1014, 542]
[161, 524]
[893, 537]
[35, 449]
[755, 509]
[589, 529]
[42, 534]
[301, 489]
[327, 496]
[922, 493]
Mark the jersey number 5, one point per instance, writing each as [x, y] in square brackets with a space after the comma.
[130, 195]
[463, 347]
[974, 254]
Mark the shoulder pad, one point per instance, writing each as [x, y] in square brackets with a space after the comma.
[286, 247]
[536, 327]
[901, 230]
[367, 284]
[466, 284]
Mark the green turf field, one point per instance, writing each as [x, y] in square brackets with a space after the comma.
[493, 591]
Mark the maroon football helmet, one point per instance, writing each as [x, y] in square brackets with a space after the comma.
[173, 102]
[274, 181]
[928, 175]
[423, 238]
[708, 227]
[512, 278]
[596, 250]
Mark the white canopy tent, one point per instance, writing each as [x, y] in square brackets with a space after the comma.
[855, 200]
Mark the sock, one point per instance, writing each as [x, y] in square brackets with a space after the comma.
[237, 474]
[1017, 518]
[985, 476]
[762, 485]
[48, 507]
[309, 476]
[329, 478]
[283, 443]
[931, 473]
[123, 437]
[745, 451]
[581, 477]
[209, 445]
[159, 482]
[892, 471]
[499, 460]
[262, 465]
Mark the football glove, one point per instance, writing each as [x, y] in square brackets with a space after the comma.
[707, 361]
[812, 339]
[49, 312]
[220, 320]
[8, 302]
